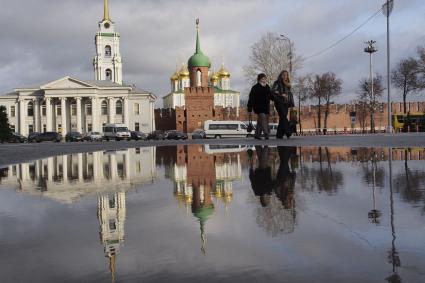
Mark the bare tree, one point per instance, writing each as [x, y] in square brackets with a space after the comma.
[302, 89]
[405, 77]
[332, 88]
[421, 67]
[269, 55]
[317, 94]
[365, 96]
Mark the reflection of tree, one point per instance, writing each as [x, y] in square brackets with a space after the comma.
[327, 179]
[278, 212]
[409, 183]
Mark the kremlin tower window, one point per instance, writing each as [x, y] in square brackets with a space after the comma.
[198, 78]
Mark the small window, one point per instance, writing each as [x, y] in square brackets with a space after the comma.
[112, 202]
[12, 128]
[138, 150]
[136, 127]
[12, 111]
[112, 224]
[43, 109]
[30, 129]
[88, 109]
[104, 108]
[30, 109]
[136, 109]
[74, 109]
[58, 110]
[44, 128]
[108, 51]
[108, 75]
[89, 127]
[118, 107]
[213, 127]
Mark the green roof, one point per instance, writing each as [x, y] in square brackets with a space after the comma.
[219, 90]
[198, 59]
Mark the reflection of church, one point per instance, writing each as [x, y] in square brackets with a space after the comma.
[68, 178]
[201, 181]
[111, 214]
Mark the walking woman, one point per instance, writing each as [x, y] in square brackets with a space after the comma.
[283, 100]
[259, 101]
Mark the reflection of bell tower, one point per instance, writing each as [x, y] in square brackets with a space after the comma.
[111, 214]
[107, 63]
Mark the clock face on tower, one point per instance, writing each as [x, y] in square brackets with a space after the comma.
[106, 25]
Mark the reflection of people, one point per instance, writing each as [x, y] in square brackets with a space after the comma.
[283, 100]
[261, 177]
[285, 179]
[259, 101]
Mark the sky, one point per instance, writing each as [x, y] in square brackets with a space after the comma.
[44, 40]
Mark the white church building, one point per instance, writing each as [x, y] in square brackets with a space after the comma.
[70, 104]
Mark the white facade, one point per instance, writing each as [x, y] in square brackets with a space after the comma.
[107, 62]
[70, 104]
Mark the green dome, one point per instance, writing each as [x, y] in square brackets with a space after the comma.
[199, 60]
[203, 213]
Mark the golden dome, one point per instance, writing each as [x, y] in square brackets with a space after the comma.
[223, 73]
[184, 72]
[175, 76]
[214, 77]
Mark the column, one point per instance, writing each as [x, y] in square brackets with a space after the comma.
[126, 112]
[113, 166]
[111, 112]
[79, 126]
[65, 167]
[50, 168]
[80, 167]
[127, 164]
[63, 115]
[36, 115]
[49, 115]
[95, 115]
[22, 117]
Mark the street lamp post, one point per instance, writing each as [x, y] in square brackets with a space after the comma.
[387, 9]
[371, 49]
[290, 51]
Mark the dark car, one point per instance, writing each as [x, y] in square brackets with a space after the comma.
[48, 136]
[135, 135]
[198, 134]
[157, 135]
[176, 135]
[15, 138]
[74, 137]
[31, 137]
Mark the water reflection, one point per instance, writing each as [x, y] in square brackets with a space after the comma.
[345, 197]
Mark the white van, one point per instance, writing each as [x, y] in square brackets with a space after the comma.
[225, 129]
[116, 132]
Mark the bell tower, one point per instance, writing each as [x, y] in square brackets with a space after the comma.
[107, 63]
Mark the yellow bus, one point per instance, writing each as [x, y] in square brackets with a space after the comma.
[416, 122]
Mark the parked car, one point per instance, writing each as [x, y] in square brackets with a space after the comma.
[198, 134]
[116, 132]
[74, 137]
[157, 135]
[15, 138]
[176, 135]
[48, 136]
[93, 136]
[135, 135]
[32, 136]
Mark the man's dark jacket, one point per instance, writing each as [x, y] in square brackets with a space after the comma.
[259, 99]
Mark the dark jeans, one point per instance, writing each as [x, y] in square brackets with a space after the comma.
[282, 109]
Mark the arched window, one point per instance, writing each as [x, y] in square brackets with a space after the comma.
[118, 107]
[108, 51]
[108, 75]
[104, 108]
[198, 78]
[30, 109]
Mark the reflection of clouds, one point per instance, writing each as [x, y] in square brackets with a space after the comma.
[68, 178]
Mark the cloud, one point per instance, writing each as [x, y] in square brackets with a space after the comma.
[47, 39]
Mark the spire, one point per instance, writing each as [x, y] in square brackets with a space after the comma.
[106, 11]
[198, 44]
[112, 262]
